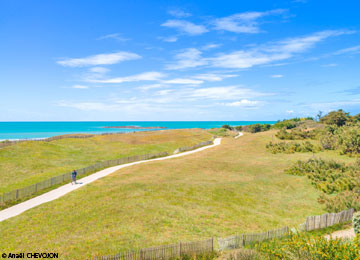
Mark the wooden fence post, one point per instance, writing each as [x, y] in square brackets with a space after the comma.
[179, 249]
[243, 239]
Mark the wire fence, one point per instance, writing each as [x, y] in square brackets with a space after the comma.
[164, 252]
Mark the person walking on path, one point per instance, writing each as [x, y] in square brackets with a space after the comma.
[73, 174]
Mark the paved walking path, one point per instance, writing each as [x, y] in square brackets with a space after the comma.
[61, 191]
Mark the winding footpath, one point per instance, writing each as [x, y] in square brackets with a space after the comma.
[61, 191]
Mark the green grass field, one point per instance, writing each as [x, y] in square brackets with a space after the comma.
[30, 162]
[232, 188]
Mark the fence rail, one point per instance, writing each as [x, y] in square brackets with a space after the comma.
[329, 219]
[32, 189]
[164, 252]
[238, 241]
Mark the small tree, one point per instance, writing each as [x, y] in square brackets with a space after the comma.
[227, 127]
[319, 115]
[338, 118]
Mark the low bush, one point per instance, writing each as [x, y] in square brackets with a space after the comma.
[356, 222]
[295, 134]
[292, 147]
[348, 140]
[341, 201]
[305, 247]
[238, 128]
[287, 124]
[255, 128]
[227, 127]
[327, 176]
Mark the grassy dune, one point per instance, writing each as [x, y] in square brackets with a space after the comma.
[232, 188]
[30, 162]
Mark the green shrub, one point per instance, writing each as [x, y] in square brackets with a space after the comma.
[287, 124]
[227, 127]
[295, 134]
[327, 176]
[348, 140]
[341, 201]
[305, 247]
[338, 118]
[356, 222]
[255, 128]
[292, 147]
[238, 128]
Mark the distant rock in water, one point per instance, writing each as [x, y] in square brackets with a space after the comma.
[136, 127]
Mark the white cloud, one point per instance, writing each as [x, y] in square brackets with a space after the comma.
[224, 93]
[243, 103]
[329, 65]
[115, 36]
[100, 59]
[213, 77]
[183, 81]
[185, 27]
[328, 106]
[100, 70]
[277, 76]
[210, 46]
[89, 106]
[80, 87]
[146, 76]
[189, 58]
[178, 13]
[351, 50]
[270, 52]
[243, 22]
[289, 111]
[152, 86]
[168, 39]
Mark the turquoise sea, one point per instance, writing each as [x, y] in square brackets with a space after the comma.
[34, 130]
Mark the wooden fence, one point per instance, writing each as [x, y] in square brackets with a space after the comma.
[329, 219]
[164, 252]
[29, 190]
[238, 241]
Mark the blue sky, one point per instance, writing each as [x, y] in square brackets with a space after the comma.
[177, 60]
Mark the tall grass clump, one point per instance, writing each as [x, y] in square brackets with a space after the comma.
[292, 147]
[295, 134]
